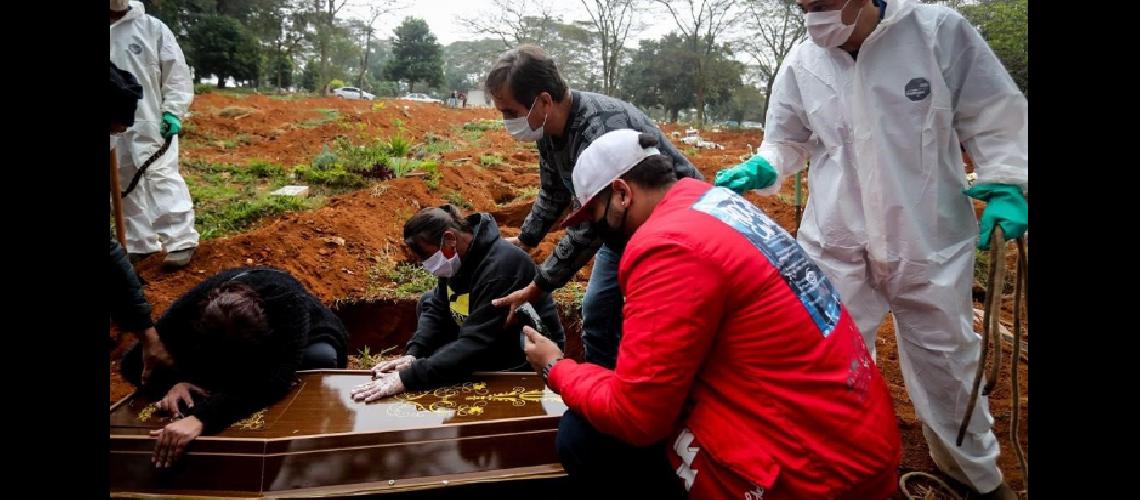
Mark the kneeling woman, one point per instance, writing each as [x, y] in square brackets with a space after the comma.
[458, 330]
[236, 340]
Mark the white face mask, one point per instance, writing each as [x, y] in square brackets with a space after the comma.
[827, 29]
[519, 128]
[440, 266]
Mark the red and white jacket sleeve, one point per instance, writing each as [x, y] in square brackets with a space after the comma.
[673, 307]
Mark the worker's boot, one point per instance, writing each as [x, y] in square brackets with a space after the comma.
[948, 466]
[178, 258]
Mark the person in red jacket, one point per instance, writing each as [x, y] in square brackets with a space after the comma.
[737, 354]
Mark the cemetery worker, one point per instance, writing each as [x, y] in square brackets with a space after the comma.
[237, 340]
[878, 99]
[458, 331]
[737, 356]
[538, 106]
[158, 211]
[129, 307]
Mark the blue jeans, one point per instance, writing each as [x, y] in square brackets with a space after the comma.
[601, 310]
[318, 356]
[596, 460]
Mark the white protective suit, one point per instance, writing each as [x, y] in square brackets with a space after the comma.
[158, 213]
[886, 219]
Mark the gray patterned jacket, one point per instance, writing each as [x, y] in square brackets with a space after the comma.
[591, 115]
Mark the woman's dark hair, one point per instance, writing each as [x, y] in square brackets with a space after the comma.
[428, 225]
[654, 171]
[233, 310]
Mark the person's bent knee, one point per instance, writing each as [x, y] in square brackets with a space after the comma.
[319, 355]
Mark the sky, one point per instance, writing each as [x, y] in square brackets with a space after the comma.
[441, 17]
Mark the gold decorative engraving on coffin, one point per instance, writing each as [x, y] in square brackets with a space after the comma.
[474, 392]
[253, 422]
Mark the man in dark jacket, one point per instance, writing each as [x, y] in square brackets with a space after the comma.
[129, 308]
[538, 106]
[458, 330]
[237, 340]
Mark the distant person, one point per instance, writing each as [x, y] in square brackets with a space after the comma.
[463, 97]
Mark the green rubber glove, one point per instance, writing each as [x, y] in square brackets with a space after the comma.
[756, 173]
[171, 125]
[1005, 206]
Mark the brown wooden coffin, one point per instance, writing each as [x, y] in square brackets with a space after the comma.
[317, 441]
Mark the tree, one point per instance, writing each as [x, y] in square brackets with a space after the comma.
[321, 15]
[661, 74]
[224, 48]
[514, 23]
[416, 55]
[309, 75]
[745, 104]
[657, 76]
[279, 70]
[1005, 26]
[773, 27]
[465, 64]
[375, 10]
[612, 20]
[701, 25]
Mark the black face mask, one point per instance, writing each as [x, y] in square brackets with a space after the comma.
[613, 237]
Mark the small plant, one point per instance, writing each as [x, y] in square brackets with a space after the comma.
[336, 84]
[482, 125]
[691, 151]
[398, 146]
[411, 280]
[527, 192]
[490, 160]
[242, 214]
[264, 170]
[203, 88]
[434, 174]
[336, 177]
[325, 160]
[398, 123]
[330, 115]
[472, 136]
[401, 166]
[457, 199]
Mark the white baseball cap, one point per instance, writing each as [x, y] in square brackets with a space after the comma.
[604, 160]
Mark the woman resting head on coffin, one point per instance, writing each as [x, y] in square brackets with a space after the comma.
[458, 331]
[236, 340]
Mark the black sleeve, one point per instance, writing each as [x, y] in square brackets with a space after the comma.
[552, 200]
[432, 321]
[484, 324]
[274, 376]
[129, 308]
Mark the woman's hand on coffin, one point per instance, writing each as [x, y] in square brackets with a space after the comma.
[386, 384]
[171, 441]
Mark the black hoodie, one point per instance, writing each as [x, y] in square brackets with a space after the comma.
[243, 379]
[491, 269]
